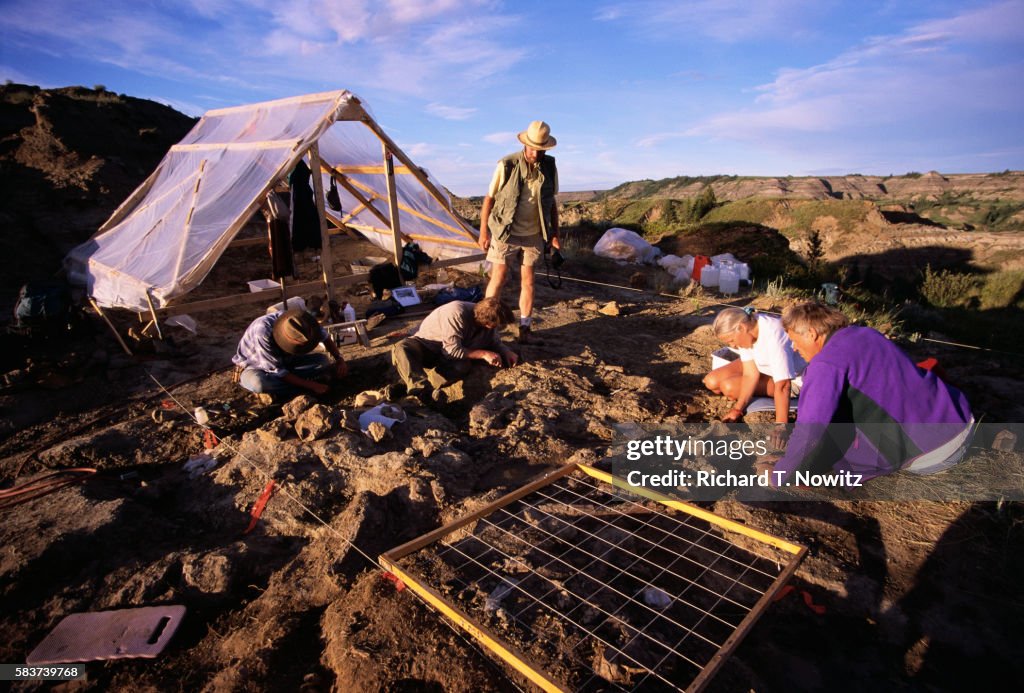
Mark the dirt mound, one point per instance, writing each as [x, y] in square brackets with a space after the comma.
[292, 605]
[68, 158]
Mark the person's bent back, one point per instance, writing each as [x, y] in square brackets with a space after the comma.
[865, 406]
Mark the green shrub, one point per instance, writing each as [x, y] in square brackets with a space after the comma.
[945, 289]
[1003, 290]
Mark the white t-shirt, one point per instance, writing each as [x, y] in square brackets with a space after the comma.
[773, 353]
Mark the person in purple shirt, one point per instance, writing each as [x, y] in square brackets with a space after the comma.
[865, 408]
[274, 357]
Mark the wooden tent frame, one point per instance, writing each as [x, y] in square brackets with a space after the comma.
[330, 224]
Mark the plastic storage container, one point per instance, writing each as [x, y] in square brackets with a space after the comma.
[699, 263]
[708, 276]
[729, 281]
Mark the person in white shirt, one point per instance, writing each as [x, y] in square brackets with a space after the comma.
[768, 365]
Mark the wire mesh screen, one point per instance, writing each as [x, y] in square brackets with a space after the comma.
[604, 590]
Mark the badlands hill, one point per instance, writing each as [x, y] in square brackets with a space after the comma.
[68, 158]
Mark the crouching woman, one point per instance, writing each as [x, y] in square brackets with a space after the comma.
[866, 408]
[767, 366]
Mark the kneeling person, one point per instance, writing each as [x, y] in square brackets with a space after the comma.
[865, 407]
[447, 341]
[274, 355]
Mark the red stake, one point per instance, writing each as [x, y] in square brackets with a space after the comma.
[257, 508]
[392, 578]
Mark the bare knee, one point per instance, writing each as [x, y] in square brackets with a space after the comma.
[730, 388]
[711, 382]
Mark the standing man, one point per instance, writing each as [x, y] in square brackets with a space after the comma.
[520, 213]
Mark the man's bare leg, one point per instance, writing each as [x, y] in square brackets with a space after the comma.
[499, 273]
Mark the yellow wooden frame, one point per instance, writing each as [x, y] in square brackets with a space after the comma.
[516, 658]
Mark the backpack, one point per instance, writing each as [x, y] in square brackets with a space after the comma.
[43, 305]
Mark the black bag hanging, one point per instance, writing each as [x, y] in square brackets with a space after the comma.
[305, 220]
[333, 199]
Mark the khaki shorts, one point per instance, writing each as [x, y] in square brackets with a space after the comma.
[504, 253]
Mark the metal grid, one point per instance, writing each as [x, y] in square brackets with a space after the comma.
[604, 591]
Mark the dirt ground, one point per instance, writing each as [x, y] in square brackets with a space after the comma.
[915, 595]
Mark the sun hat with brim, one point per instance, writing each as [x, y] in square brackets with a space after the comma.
[296, 332]
[538, 136]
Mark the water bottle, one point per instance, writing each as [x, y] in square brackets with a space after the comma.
[349, 312]
[202, 416]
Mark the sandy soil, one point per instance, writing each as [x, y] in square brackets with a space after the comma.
[917, 595]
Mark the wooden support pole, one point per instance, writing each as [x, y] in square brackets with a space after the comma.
[396, 230]
[389, 145]
[152, 309]
[96, 307]
[326, 261]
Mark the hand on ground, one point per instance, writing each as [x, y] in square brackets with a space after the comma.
[733, 416]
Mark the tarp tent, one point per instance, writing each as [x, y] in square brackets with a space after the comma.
[167, 236]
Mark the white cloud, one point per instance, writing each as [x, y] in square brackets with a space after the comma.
[500, 138]
[410, 47]
[419, 149]
[728, 21]
[918, 77]
[450, 112]
[16, 75]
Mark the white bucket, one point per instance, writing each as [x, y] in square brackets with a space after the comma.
[709, 276]
[729, 281]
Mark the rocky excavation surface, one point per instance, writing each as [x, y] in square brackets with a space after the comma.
[916, 594]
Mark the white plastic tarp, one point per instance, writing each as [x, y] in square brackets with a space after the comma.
[626, 245]
[165, 239]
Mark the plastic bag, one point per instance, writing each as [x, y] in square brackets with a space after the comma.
[623, 244]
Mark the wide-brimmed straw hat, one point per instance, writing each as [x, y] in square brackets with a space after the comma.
[538, 136]
[296, 332]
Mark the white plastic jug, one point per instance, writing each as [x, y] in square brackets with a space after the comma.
[349, 312]
[709, 276]
[744, 271]
[729, 281]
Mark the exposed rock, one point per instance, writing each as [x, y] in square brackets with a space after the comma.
[316, 422]
[292, 410]
[210, 573]
[369, 398]
[377, 431]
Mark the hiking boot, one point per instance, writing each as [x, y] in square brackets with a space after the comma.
[526, 336]
[393, 392]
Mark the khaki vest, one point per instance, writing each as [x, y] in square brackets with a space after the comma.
[507, 198]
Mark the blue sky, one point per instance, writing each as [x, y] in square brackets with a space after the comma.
[632, 89]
